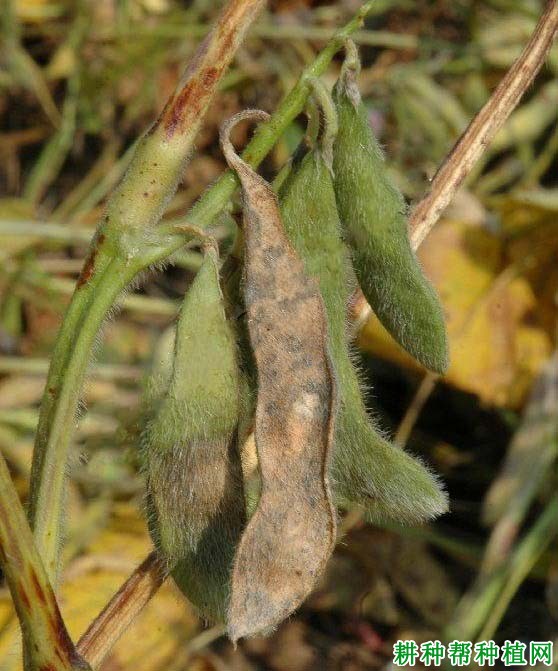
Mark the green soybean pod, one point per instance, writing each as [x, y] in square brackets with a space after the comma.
[373, 214]
[366, 468]
[195, 498]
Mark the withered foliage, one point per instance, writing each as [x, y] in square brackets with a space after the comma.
[290, 536]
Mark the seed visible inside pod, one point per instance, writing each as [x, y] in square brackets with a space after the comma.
[290, 536]
[195, 495]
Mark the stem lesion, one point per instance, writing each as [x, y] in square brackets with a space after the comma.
[46, 642]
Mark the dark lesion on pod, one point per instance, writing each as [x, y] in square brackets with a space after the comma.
[291, 534]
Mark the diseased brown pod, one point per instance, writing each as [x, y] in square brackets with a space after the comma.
[289, 538]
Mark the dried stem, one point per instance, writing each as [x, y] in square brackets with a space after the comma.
[420, 398]
[484, 126]
[45, 637]
[121, 610]
[470, 147]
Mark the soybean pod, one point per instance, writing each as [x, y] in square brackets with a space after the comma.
[373, 215]
[195, 501]
[291, 534]
[365, 467]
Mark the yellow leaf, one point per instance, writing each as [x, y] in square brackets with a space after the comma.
[497, 339]
[158, 638]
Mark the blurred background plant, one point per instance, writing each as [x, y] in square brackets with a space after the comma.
[79, 81]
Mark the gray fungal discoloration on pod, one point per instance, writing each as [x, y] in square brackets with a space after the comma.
[288, 540]
[195, 495]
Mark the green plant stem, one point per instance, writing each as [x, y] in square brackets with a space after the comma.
[52, 157]
[45, 637]
[543, 161]
[33, 366]
[373, 38]
[20, 64]
[105, 184]
[64, 384]
[151, 305]
[527, 466]
[51, 230]
[122, 247]
[544, 531]
[101, 168]
[59, 232]
[117, 256]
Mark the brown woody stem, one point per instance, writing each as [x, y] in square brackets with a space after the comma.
[121, 610]
[478, 135]
[484, 126]
[47, 645]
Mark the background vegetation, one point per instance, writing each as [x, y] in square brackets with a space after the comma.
[79, 82]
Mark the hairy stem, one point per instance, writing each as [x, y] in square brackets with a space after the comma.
[124, 244]
[120, 249]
